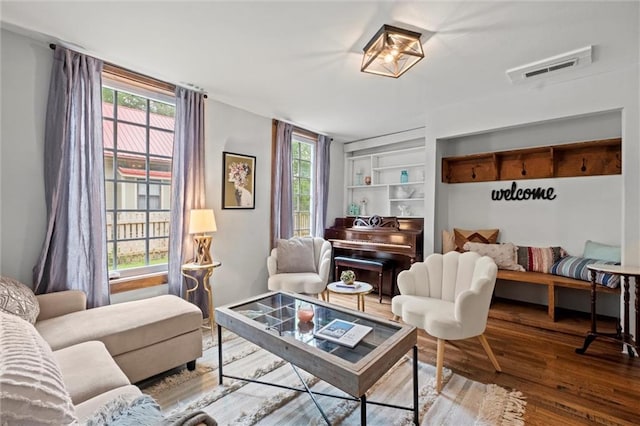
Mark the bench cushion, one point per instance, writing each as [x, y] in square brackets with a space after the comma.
[124, 327]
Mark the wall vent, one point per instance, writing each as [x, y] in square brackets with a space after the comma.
[574, 59]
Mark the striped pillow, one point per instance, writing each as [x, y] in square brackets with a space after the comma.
[539, 259]
[576, 267]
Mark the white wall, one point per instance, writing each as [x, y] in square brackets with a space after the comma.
[25, 68]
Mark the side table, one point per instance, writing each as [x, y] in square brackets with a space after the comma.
[189, 271]
[362, 289]
[622, 335]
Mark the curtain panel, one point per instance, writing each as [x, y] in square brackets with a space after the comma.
[187, 191]
[74, 252]
[281, 193]
[321, 192]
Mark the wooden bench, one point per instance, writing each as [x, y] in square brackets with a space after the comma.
[376, 265]
[552, 281]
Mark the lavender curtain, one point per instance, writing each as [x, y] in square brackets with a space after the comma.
[321, 192]
[73, 255]
[282, 196]
[187, 191]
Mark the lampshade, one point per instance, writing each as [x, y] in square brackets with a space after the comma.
[392, 51]
[202, 221]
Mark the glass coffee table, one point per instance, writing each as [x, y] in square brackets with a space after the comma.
[271, 321]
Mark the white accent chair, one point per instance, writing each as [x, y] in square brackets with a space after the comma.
[313, 282]
[448, 296]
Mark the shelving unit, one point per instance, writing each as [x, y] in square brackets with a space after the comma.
[591, 158]
[386, 194]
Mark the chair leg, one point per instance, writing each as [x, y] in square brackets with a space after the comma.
[322, 295]
[487, 349]
[439, 364]
[396, 318]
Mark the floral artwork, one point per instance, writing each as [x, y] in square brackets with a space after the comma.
[238, 181]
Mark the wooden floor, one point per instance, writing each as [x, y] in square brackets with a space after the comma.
[561, 387]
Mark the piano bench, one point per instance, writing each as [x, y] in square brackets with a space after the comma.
[376, 265]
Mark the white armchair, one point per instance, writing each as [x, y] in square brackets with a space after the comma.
[448, 296]
[310, 282]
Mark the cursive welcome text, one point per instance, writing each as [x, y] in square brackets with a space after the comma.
[515, 194]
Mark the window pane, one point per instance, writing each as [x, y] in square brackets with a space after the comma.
[107, 102]
[162, 115]
[131, 225]
[159, 224]
[107, 133]
[305, 169]
[108, 164]
[131, 167]
[109, 225]
[295, 168]
[158, 251]
[305, 203]
[305, 187]
[305, 151]
[160, 169]
[127, 198]
[131, 254]
[160, 143]
[109, 195]
[110, 258]
[131, 138]
[132, 108]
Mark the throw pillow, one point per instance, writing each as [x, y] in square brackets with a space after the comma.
[18, 299]
[486, 236]
[33, 391]
[593, 250]
[576, 267]
[296, 255]
[539, 259]
[504, 255]
[448, 242]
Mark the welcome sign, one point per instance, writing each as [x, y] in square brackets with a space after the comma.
[518, 194]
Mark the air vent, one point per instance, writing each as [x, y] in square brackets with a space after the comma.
[574, 59]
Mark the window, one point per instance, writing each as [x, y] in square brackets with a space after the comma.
[302, 183]
[138, 143]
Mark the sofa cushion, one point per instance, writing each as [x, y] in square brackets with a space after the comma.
[124, 327]
[33, 391]
[576, 267]
[18, 299]
[88, 370]
[301, 282]
[87, 409]
[539, 259]
[448, 242]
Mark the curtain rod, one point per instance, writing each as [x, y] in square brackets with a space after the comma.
[134, 75]
[274, 121]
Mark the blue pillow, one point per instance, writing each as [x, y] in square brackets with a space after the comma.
[593, 250]
[576, 268]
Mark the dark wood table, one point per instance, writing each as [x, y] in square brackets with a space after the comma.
[622, 334]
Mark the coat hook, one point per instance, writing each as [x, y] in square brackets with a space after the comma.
[584, 166]
[473, 173]
[524, 170]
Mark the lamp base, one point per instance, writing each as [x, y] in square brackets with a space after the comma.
[203, 244]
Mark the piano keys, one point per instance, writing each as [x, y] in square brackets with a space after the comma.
[397, 239]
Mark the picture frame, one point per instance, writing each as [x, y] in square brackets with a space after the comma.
[238, 181]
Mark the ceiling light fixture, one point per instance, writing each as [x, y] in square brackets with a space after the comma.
[392, 51]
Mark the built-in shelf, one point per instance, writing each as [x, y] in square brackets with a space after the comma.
[591, 158]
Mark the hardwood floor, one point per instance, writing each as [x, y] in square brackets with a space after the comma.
[561, 387]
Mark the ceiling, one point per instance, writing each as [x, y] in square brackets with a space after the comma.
[300, 61]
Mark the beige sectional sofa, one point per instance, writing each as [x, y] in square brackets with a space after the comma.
[75, 361]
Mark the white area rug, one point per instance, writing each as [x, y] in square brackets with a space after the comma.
[462, 401]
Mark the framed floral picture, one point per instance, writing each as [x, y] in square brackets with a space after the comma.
[238, 181]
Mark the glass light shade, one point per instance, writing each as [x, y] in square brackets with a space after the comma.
[202, 221]
[392, 51]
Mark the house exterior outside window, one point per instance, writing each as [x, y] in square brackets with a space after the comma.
[302, 175]
[138, 142]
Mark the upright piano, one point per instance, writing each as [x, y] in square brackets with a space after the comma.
[397, 239]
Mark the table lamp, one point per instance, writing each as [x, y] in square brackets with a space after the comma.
[202, 221]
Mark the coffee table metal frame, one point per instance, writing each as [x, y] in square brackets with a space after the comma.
[354, 378]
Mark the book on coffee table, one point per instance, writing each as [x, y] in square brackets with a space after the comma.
[343, 332]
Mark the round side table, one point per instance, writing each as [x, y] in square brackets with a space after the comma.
[359, 289]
